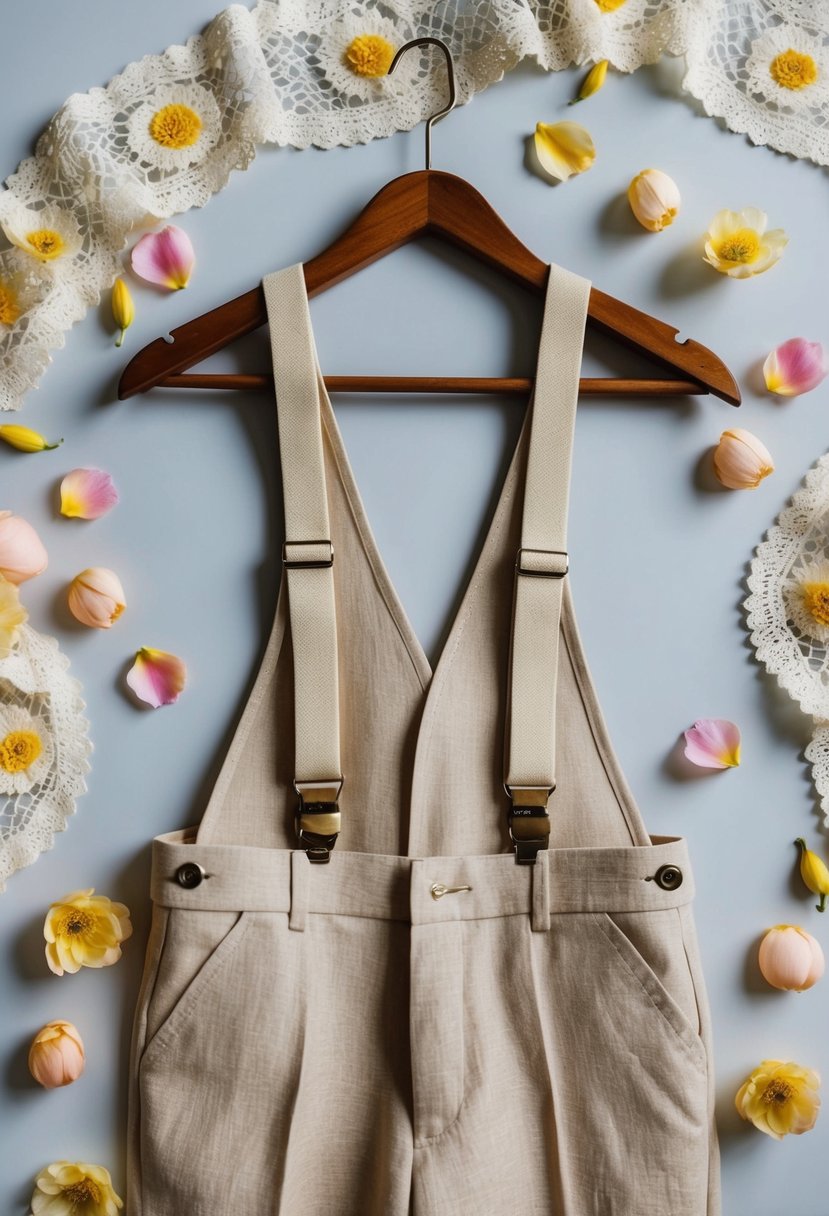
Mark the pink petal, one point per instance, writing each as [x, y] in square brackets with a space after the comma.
[157, 677]
[87, 494]
[713, 743]
[165, 257]
[795, 367]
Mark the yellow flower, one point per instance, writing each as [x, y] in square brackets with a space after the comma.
[793, 69]
[85, 930]
[609, 6]
[10, 310]
[123, 308]
[67, 1188]
[12, 616]
[814, 873]
[19, 749]
[25, 439]
[593, 81]
[369, 55]
[175, 126]
[738, 245]
[780, 1099]
[563, 149]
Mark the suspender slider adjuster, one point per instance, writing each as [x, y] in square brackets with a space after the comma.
[307, 554]
[542, 563]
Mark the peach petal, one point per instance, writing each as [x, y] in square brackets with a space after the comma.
[22, 554]
[87, 494]
[795, 367]
[713, 743]
[166, 258]
[157, 677]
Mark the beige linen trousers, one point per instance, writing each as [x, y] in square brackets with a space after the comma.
[457, 977]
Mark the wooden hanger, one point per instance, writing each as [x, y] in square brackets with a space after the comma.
[438, 204]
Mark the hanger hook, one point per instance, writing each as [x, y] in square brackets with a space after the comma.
[450, 67]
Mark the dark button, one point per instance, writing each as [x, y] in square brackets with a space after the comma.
[190, 874]
[668, 878]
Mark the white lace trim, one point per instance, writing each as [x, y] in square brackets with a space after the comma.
[36, 690]
[275, 74]
[795, 547]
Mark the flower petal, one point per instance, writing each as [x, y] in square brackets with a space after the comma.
[564, 148]
[713, 743]
[87, 494]
[795, 367]
[157, 677]
[166, 258]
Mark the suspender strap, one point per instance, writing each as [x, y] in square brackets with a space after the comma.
[541, 565]
[308, 558]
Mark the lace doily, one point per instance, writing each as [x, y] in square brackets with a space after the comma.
[790, 640]
[277, 74]
[38, 698]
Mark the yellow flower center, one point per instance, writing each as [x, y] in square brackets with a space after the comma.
[369, 55]
[793, 69]
[175, 126]
[816, 601]
[18, 750]
[777, 1092]
[46, 243]
[739, 247]
[85, 1191]
[609, 6]
[9, 307]
[75, 922]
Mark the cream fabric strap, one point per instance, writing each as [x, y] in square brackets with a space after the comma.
[308, 552]
[542, 560]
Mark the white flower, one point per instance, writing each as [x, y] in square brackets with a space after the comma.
[807, 600]
[26, 750]
[47, 233]
[24, 283]
[790, 67]
[176, 127]
[355, 52]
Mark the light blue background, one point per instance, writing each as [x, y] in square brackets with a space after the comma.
[658, 554]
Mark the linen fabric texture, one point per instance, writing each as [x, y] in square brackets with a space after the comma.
[421, 1025]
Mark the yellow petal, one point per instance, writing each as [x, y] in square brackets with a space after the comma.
[25, 439]
[123, 308]
[563, 149]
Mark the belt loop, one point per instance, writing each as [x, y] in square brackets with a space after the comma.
[541, 891]
[300, 878]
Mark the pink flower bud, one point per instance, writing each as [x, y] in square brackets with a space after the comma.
[96, 597]
[22, 555]
[56, 1056]
[790, 958]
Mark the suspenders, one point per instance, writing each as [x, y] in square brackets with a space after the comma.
[540, 567]
[308, 558]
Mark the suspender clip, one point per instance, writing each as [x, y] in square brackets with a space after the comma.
[317, 819]
[529, 821]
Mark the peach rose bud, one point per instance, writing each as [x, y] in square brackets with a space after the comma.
[96, 597]
[56, 1056]
[790, 958]
[741, 461]
[22, 554]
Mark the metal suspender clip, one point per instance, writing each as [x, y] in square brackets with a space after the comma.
[529, 821]
[318, 817]
[542, 563]
[309, 560]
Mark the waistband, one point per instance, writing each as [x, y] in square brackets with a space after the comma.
[420, 890]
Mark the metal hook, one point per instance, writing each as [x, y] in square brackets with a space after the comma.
[407, 46]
